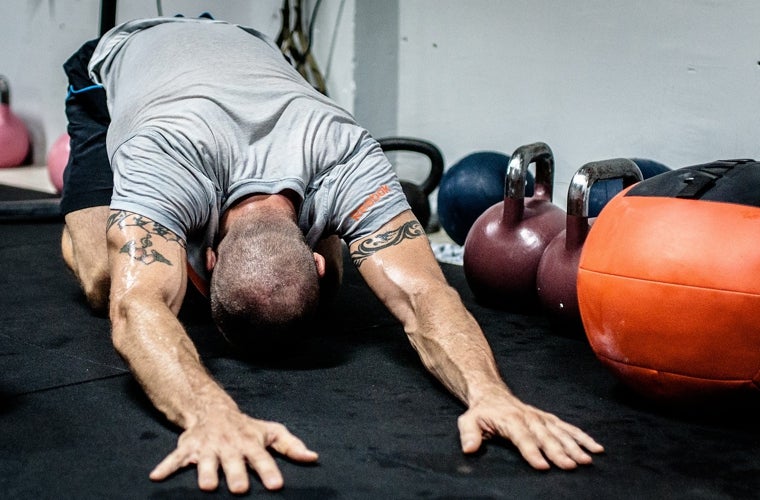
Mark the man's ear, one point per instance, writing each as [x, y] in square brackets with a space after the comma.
[210, 259]
[320, 261]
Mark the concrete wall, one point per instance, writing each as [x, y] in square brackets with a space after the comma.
[677, 81]
[37, 36]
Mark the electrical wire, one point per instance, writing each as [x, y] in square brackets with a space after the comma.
[296, 44]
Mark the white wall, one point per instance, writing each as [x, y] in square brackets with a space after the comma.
[37, 36]
[676, 81]
[376, 73]
[673, 80]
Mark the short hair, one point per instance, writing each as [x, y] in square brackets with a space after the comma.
[265, 280]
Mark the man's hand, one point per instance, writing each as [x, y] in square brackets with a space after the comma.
[534, 432]
[232, 439]
[398, 264]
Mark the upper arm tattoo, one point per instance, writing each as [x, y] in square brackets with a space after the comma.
[408, 231]
[139, 249]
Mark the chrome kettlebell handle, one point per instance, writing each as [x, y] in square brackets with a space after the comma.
[517, 171]
[578, 194]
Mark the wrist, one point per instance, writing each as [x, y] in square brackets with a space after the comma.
[486, 391]
[205, 406]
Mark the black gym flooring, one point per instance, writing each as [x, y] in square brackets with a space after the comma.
[75, 425]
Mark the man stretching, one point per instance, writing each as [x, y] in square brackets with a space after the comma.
[227, 167]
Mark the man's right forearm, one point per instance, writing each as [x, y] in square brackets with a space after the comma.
[148, 281]
[163, 359]
[216, 434]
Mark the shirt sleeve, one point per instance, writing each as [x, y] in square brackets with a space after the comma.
[354, 199]
[153, 179]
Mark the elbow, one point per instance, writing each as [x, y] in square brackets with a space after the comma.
[139, 323]
[119, 314]
[119, 341]
[129, 314]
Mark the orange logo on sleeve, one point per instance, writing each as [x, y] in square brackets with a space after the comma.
[371, 200]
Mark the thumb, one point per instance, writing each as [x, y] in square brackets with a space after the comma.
[470, 433]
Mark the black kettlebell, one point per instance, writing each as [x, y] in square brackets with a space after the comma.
[418, 194]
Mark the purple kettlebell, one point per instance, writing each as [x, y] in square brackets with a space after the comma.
[505, 244]
[557, 275]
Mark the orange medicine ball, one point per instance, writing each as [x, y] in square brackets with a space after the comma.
[669, 282]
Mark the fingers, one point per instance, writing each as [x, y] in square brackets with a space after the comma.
[282, 441]
[169, 465]
[236, 474]
[267, 469]
[528, 444]
[285, 443]
[561, 443]
[574, 441]
[248, 448]
[559, 448]
[582, 438]
[540, 437]
[208, 479]
[208, 476]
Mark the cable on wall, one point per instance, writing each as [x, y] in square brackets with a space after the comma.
[296, 44]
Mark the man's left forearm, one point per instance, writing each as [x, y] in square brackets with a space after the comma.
[452, 346]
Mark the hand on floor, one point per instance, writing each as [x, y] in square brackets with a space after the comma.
[233, 440]
[537, 434]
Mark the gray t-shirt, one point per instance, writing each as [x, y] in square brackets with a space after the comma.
[204, 113]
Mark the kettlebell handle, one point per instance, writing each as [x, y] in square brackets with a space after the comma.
[5, 91]
[517, 172]
[578, 194]
[419, 146]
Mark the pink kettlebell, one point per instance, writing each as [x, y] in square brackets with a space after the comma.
[57, 158]
[14, 136]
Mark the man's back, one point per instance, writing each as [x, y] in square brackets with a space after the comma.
[205, 113]
[214, 87]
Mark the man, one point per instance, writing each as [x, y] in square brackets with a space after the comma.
[225, 159]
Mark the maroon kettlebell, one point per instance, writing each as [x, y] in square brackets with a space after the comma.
[14, 136]
[557, 275]
[504, 245]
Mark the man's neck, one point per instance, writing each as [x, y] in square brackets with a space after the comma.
[255, 204]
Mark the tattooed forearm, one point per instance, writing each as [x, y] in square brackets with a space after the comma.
[139, 249]
[128, 219]
[140, 252]
[408, 231]
[117, 218]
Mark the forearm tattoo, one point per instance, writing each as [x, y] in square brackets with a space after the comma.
[408, 231]
[139, 249]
